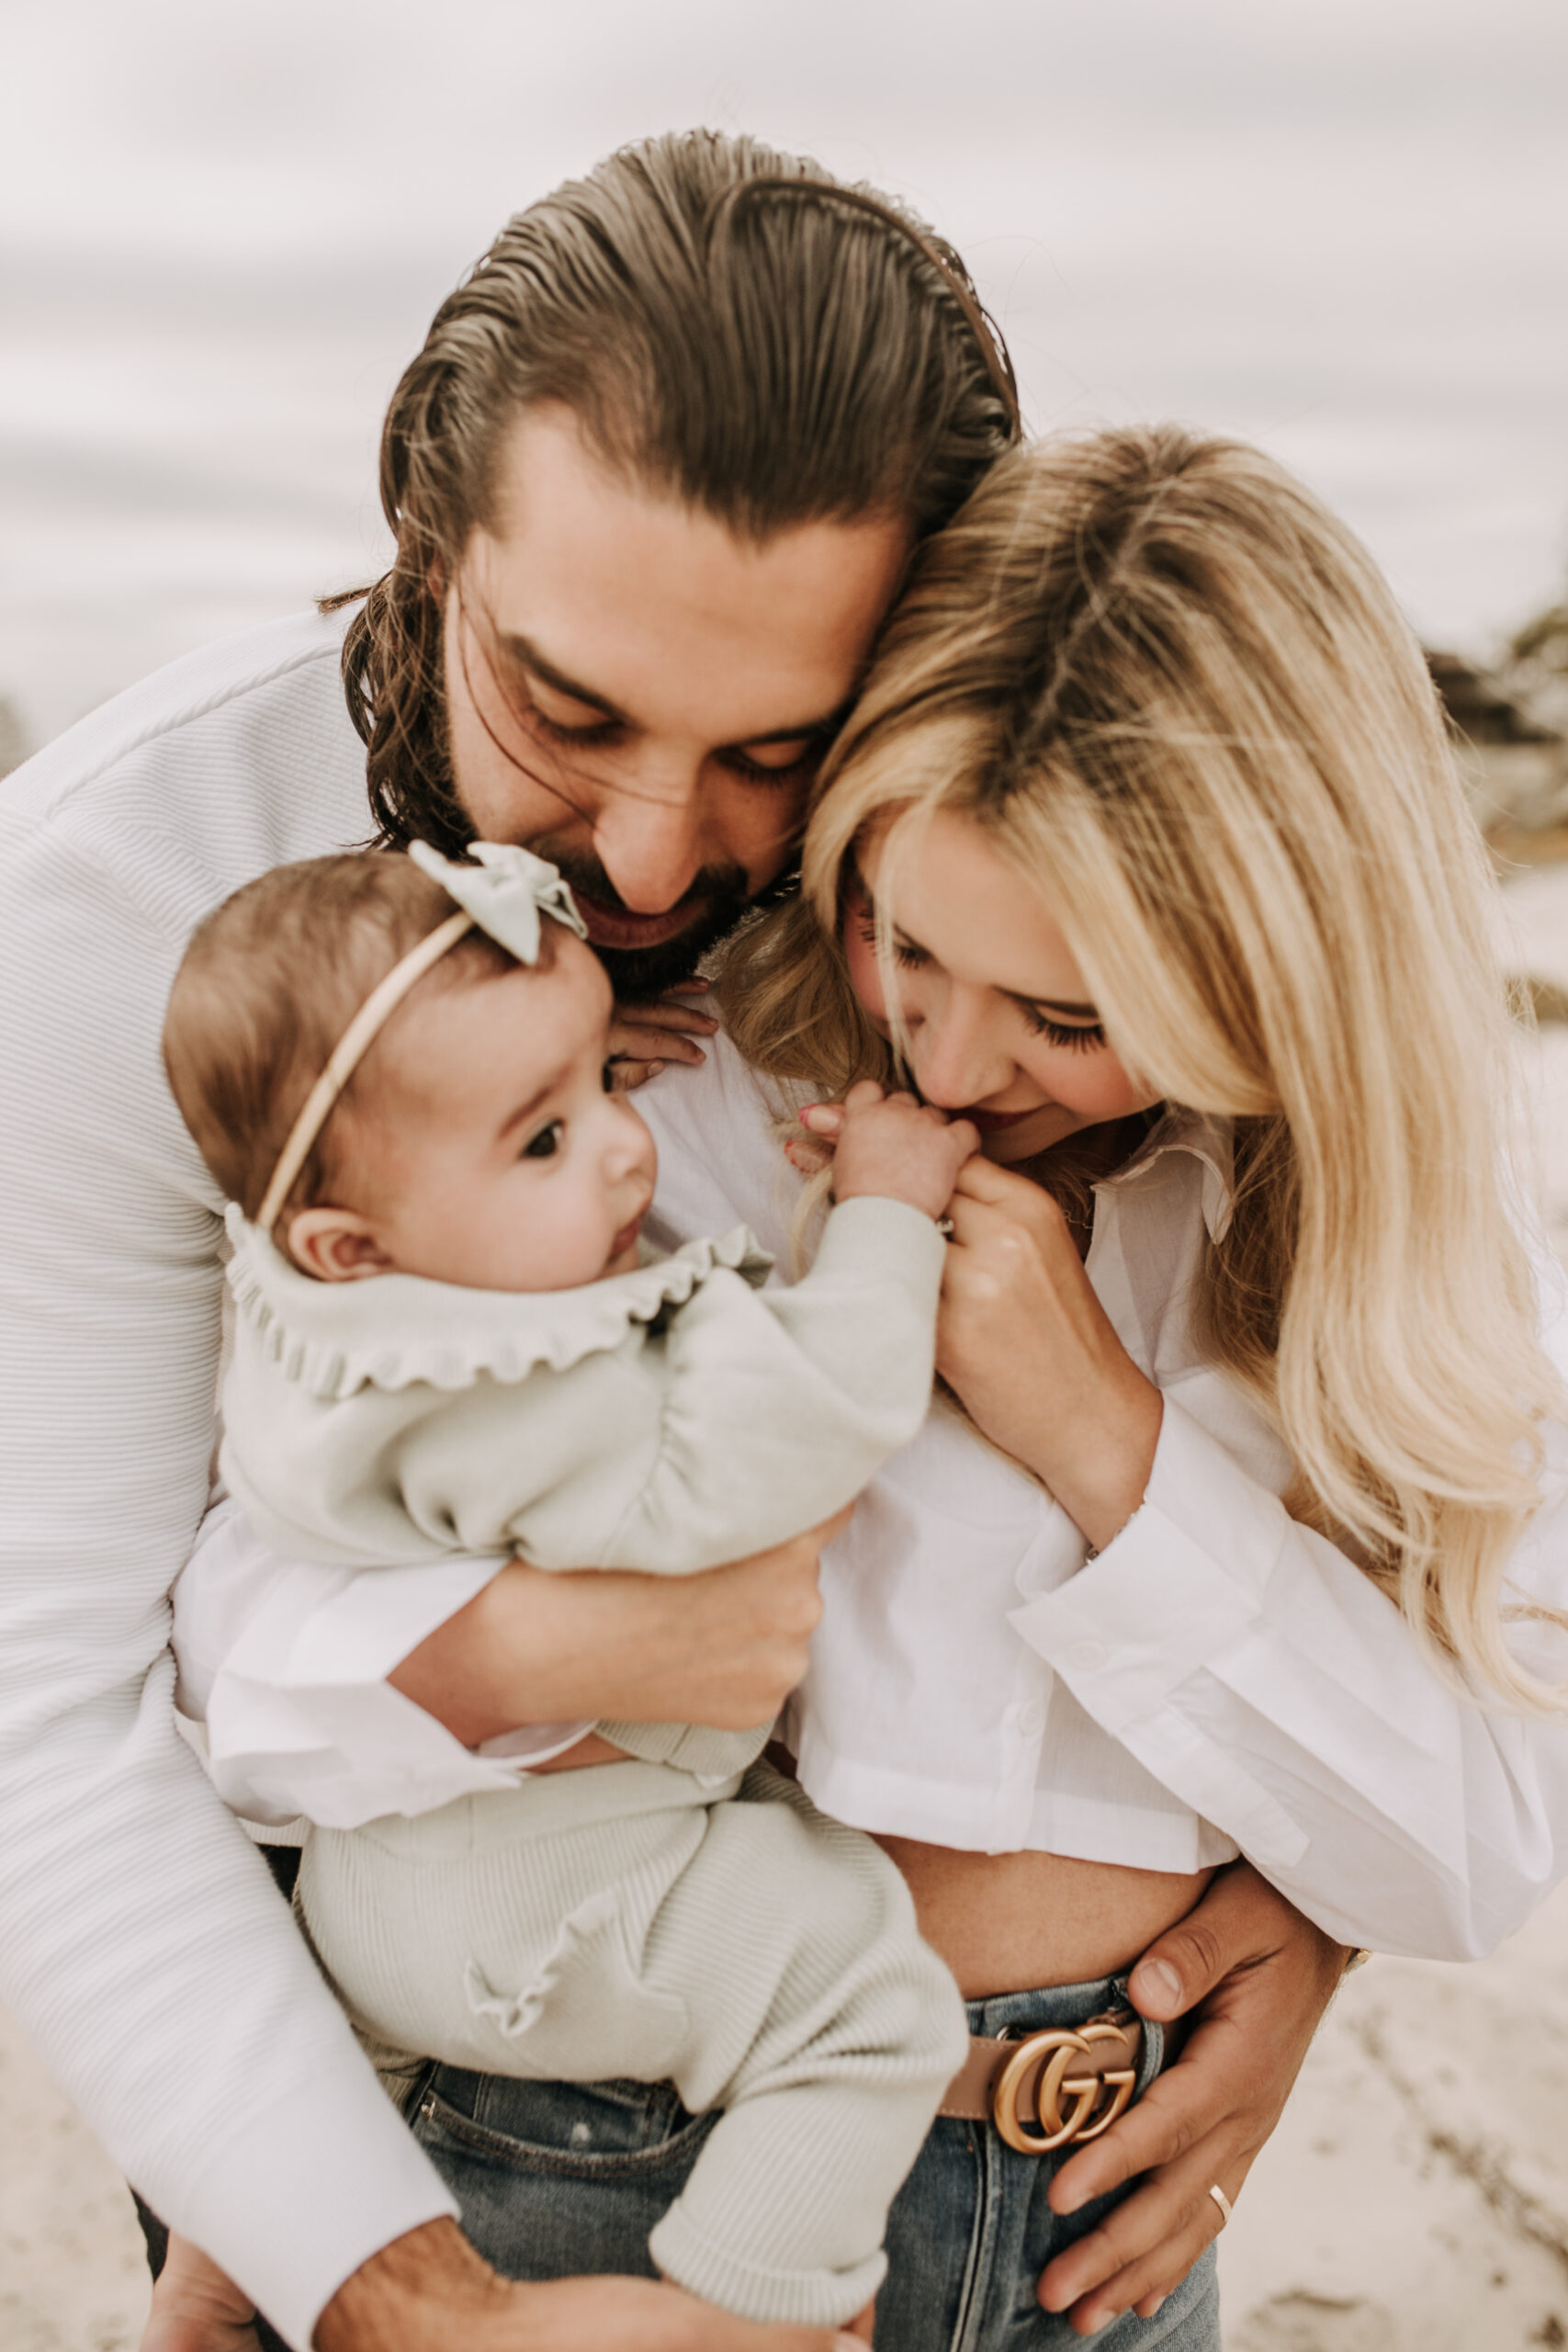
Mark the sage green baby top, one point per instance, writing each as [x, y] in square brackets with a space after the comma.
[667, 1421]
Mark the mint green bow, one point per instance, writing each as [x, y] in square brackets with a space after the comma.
[505, 892]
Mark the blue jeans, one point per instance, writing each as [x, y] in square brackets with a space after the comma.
[558, 2179]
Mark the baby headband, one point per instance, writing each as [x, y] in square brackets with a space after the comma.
[504, 895]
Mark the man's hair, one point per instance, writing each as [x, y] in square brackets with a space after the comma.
[268, 985]
[728, 325]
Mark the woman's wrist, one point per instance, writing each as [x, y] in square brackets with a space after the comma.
[1097, 1461]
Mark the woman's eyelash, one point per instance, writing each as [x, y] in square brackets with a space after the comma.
[1061, 1033]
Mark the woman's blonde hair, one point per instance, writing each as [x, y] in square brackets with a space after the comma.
[1178, 696]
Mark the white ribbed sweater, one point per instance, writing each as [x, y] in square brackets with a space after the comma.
[142, 1945]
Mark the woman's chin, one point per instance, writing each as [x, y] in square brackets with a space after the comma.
[1026, 1138]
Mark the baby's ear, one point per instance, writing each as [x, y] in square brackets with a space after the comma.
[335, 1245]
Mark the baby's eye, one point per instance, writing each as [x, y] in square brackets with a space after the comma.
[546, 1143]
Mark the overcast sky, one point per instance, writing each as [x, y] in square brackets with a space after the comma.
[1338, 226]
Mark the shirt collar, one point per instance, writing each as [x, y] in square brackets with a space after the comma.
[1204, 1136]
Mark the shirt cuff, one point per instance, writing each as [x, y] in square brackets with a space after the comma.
[302, 1721]
[1181, 1586]
[308, 2191]
[1183, 1581]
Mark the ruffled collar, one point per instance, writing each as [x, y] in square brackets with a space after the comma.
[1209, 1139]
[391, 1330]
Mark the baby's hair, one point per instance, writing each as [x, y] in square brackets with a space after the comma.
[268, 985]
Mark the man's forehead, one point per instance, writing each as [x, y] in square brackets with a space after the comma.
[661, 611]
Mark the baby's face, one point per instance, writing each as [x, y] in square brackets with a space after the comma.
[494, 1154]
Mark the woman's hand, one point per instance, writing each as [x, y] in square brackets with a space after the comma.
[1032, 1352]
[1255, 1977]
[645, 1037]
[724, 1648]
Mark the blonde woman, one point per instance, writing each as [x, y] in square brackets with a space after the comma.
[1143, 851]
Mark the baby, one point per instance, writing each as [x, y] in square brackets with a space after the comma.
[447, 1340]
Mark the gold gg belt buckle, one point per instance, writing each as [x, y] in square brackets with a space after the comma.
[1042, 2070]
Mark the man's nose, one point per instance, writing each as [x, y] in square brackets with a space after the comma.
[648, 835]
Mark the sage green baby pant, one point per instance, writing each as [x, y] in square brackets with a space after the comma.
[626, 1921]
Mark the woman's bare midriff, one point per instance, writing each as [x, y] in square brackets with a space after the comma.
[1005, 1923]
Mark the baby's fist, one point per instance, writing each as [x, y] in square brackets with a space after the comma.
[892, 1148]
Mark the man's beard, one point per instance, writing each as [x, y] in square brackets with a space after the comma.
[717, 898]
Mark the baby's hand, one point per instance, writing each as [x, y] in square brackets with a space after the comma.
[895, 1148]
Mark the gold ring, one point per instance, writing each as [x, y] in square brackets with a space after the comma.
[1222, 2201]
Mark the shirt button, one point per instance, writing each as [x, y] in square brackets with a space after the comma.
[1030, 1720]
[1086, 1657]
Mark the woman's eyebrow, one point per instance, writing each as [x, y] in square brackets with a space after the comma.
[1015, 996]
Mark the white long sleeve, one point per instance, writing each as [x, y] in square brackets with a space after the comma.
[1255, 1671]
[145, 1948]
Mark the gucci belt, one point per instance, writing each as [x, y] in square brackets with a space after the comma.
[1050, 2090]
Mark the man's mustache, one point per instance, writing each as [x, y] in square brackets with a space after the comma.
[714, 886]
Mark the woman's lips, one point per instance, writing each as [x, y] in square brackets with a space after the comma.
[989, 1122]
[619, 927]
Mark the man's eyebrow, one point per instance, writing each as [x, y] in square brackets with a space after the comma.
[524, 650]
[828, 726]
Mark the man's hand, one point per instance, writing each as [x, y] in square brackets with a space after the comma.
[644, 1037]
[431, 2293]
[724, 1648]
[1255, 1978]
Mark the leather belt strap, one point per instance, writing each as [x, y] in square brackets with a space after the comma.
[1051, 2089]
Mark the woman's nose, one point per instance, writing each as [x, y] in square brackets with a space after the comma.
[955, 1061]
